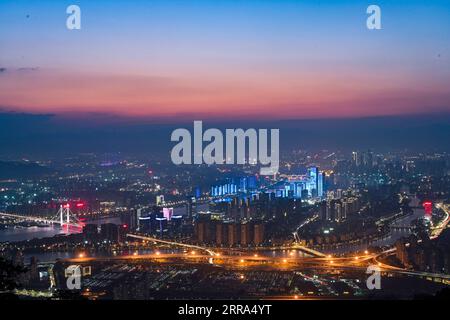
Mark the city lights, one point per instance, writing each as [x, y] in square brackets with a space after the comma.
[261, 151]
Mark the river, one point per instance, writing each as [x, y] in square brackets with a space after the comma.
[28, 233]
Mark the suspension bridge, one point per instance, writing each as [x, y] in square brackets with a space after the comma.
[64, 218]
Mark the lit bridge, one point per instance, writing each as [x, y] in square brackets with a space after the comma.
[145, 238]
[64, 218]
[310, 251]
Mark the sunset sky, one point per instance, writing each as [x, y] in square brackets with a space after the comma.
[225, 59]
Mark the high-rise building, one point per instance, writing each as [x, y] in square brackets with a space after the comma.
[345, 209]
[233, 234]
[219, 233]
[90, 232]
[258, 238]
[161, 225]
[356, 158]
[313, 176]
[138, 216]
[199, 231]
[145, 223]
[246, 234]
[323, 210]
[168, 213]
[329, 213]
[130, 219]
[190, 207]
[320, 185]
[338, 211]
[109, 232]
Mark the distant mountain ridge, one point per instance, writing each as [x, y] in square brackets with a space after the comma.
[20, 170]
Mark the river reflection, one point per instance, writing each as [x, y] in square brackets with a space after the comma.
[388, 240]
[29, 233]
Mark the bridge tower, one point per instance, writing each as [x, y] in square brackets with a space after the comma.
[64, 211]
[65, 217]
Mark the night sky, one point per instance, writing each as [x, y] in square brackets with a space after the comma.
[135, 63]
[225, 59]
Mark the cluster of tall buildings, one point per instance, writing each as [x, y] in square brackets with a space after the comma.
[209, 230]
[302, 186]
[256, 206]
[158, 220]
[339, 206]
[234, 185]
[108, 232]
[424, 254]
[363, 159]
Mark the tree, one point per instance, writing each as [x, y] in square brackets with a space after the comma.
[9, 274]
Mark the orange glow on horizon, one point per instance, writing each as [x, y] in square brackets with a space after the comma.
[308, 95]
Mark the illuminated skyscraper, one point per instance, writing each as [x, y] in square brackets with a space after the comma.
[320, 185]
[168, 213]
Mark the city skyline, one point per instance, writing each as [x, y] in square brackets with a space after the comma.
[221, 157]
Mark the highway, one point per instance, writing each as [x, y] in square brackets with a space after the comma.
[246, 258]
[238, 258]
[253, 259]
[437, 230]
[388, 268]
[172, 243]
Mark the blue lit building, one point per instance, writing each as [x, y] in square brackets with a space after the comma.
[234, 185]
[301, 186]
